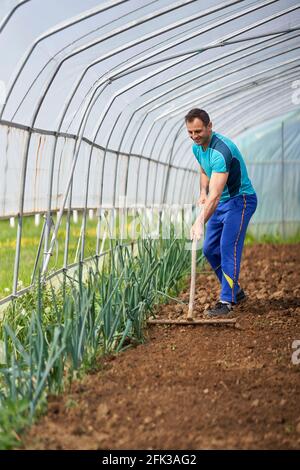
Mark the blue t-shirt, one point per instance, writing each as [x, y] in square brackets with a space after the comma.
[222, 155]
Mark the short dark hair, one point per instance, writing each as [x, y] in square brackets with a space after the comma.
[198, 113]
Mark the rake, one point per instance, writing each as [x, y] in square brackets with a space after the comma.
[189, 319]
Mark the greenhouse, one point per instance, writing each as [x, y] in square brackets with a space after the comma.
[110, 220]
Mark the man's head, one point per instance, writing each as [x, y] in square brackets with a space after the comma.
[198, 126]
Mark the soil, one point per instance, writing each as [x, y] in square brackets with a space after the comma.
[197, 387]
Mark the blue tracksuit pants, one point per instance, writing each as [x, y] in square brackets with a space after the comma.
[224, 240]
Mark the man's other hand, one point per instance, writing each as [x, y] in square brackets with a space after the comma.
[197, 229]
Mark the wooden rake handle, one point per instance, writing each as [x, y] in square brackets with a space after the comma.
[193, 281]
[193, 272]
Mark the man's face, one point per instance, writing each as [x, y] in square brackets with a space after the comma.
[199, 132]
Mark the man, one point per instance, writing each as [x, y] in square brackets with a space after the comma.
[229, 201]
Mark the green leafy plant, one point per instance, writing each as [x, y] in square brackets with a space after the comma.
[52, 335]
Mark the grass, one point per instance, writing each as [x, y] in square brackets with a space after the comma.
[30, 241]
[252, 239]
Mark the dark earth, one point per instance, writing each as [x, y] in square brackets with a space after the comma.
[197, 387]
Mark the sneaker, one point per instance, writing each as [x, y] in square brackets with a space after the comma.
[220, 309]
[240, 296]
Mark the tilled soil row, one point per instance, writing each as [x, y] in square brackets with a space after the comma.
[197, 387]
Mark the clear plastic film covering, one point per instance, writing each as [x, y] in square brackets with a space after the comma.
[93, 96]
[271, 151]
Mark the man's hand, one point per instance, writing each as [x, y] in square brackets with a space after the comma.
[197, 230]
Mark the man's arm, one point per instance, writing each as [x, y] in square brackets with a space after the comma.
[204, 185]
[216, 186]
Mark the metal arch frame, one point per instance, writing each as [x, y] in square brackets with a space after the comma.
[270, 108]
[166, 182]
[81, 49]
[130, 44]
[191, 18]
[258, 99]
[139, 41]
[228, 42]
[127, 60]
[10, 14]
[52, 31]
[224, 111]
[236, 131]
[162, 94]
[119, 64]
[217, 67]
[133, 140]
[90, 106]
[238, 101]
[117, 31]
[110, 103]
[36, 112]
[199, 49]
[223, 40]
[148, 112]
[173, 112]
[105, 83]
[65, 48]
[177, 150]
[272, 69]
[185, 144]
[127, 45]
[170, 112]
[97, 41]
[146, 38]
[180, 108]
[266, 117]
[216, 78]
[252, 83]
